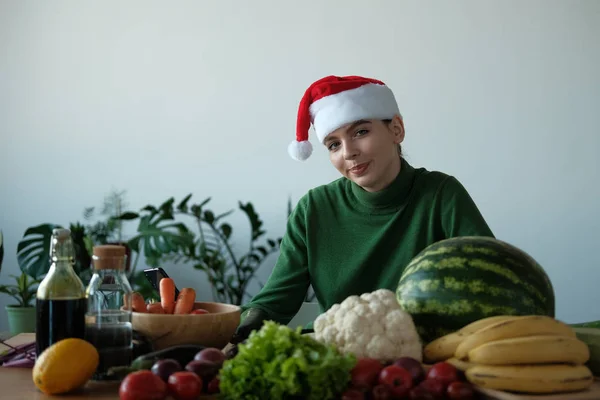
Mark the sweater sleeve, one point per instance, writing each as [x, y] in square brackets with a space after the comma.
[460, 215]
[285, 290]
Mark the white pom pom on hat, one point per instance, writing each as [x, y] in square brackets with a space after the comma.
[334, 101]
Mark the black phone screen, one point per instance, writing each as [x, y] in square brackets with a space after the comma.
[154, 275]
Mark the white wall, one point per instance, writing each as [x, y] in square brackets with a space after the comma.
[164, 99]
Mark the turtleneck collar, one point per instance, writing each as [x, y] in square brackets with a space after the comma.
[392, 197]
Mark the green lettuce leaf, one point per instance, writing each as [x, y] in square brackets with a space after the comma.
[278, 362]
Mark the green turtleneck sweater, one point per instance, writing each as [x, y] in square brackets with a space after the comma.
[346, 241]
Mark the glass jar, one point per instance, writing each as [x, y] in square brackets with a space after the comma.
[108, 317]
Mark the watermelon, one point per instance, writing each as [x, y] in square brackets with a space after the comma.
[589, 324]
[456, 281]
[591, 337]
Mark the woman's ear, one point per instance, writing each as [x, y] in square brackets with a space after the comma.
[397, 128]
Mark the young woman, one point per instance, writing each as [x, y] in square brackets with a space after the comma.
[357, 233]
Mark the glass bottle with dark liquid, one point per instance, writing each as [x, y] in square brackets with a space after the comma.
[60, 298]
[108, 316]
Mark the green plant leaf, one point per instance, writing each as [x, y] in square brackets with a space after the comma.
[150, 208]
[226, 230]
[166, 209]
[1, 250]
[255, 222]
[209, 217]
[83, 257]
[127, 216]
[182, 206]
[33, 251]
[157, 238]
[220, 216]
[23, 291]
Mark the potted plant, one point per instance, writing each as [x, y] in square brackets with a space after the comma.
[21, 316]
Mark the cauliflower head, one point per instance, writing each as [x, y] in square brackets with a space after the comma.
[370, 325]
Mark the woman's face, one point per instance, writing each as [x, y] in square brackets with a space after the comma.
[366, 152]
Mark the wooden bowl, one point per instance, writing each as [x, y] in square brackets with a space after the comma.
[214, 329]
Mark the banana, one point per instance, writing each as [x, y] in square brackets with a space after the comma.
[460, 364]
[485, 322]
[444, 347]
[524, 326]
[540, 349]
[552, 378]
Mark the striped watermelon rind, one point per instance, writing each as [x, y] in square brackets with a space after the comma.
[456, 281]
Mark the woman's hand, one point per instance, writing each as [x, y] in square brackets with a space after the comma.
[253, 321]
[230, 350]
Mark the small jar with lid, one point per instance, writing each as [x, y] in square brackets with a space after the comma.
[108, 317]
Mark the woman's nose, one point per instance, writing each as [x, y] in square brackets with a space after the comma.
[350, 152]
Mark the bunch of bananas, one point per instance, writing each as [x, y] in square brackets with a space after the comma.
[526, 354]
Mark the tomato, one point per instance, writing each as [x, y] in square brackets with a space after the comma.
[420, 393]
[443, 372]
[460, 391]
[397, 379]
[413, 366]
[353, 394]
[435, 387]
[185, 385]
[381, 392]
[199, 311]
[213, 385]
[365, 372]
[142, 385]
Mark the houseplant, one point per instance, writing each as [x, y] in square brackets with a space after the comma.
[162, 236]
[33, 251]
[21, 316]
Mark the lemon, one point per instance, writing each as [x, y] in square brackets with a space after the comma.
[65, 366]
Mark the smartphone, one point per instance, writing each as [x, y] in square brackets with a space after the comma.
[154, 275]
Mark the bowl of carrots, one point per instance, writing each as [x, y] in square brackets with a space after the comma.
[183, 320]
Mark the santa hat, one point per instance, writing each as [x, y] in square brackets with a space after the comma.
[334, 101]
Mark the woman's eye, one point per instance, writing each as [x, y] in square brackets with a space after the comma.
[332, 146]
[362, 132]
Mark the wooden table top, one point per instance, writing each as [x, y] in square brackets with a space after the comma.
[17, 384]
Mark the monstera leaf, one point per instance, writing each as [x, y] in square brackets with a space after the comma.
[33, 251]
[158, 235]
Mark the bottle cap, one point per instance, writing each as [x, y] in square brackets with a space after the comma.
[109, 256]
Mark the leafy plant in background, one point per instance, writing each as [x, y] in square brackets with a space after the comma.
[33, 251]
[23, 291]
[109, 228]
[160, 238]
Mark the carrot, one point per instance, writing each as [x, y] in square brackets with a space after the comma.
[185, 301]
[137, 302]
[155, 308]
[167, 295]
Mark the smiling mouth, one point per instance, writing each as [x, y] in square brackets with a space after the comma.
[359, 169]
